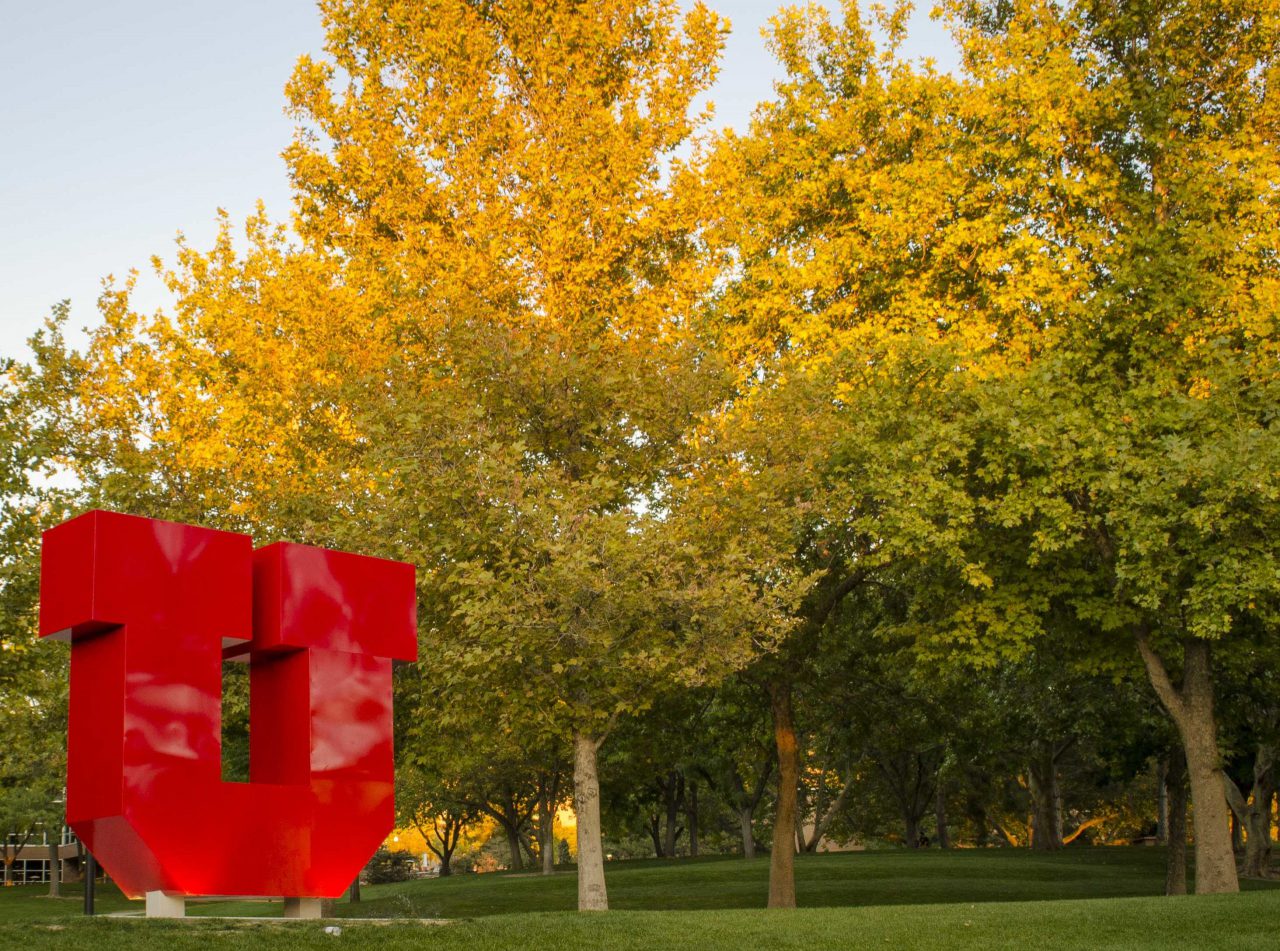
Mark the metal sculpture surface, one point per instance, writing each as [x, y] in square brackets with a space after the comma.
[152, 609]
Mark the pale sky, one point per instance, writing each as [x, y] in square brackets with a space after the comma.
[123, 123]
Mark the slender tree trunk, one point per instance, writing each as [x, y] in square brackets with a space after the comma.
[821, 823]
[1257, 845]
[1162, 801]
[747, 801]
[353, 893]
[673, 800]
[940, 815]
[655, 833]
[592, 895]
[55, 871]
[1175, 794]
[531, 850]
[1059, 830]
[802, 809]
[691, 818]
[547, 823]
[782, 858]
[1191, 707]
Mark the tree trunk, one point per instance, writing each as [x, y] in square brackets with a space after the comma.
[912, 826]
[745, 815]
[513, 845]
[447, 837]
[802, 808]
[1175, 795]
[353, 893]
[673, 801]
[782, 858]
[940, 815]
[1262, 816]
[821, 823]
[1046, 800]
[1191, 707]
[911, 777]
[1059, 829]
[547, 823]
[55, 871]
[691, 818]
[977, 813]
[445, 855]
[1254, 814]
[655, 833]
[1162, 801]
[592, 895]
[747, 801]
[1215, 860]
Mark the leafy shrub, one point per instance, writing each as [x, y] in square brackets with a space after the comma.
[386, 866]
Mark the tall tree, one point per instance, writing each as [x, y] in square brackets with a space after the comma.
[480, 357]
[1092, 197]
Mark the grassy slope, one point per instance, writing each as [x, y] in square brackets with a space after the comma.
[967, 899]
[858, 879]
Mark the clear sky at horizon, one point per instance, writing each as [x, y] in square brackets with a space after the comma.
[125, 123]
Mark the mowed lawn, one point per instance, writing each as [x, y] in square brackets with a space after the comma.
[1086, 898]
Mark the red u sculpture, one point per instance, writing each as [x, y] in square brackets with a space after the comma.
[152, 609]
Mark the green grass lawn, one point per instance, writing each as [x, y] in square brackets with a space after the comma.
[1086, 898]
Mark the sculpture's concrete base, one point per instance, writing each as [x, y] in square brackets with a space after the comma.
[302, 907]
[160, 905]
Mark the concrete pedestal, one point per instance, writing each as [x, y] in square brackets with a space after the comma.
[302, 908]
[160, 905]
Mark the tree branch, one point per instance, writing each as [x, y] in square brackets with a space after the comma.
[1235, 798]
[1169, 695]
[1088, 823]
[824, 823]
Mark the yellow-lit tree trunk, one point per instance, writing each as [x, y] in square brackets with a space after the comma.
[1191, 707]
[592, 894]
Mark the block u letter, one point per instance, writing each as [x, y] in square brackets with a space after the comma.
[151, 609]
